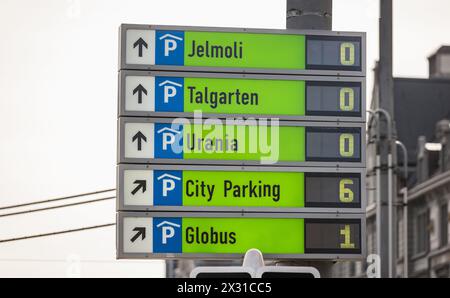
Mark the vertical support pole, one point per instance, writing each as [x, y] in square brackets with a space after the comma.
[386, 147]
[309, 14]
[404, 192]
[405, 234]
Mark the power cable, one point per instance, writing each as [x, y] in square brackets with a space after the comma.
[57, 233]
[67, 260]
[57, 207]
[56, 199]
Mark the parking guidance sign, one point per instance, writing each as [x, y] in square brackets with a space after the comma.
[246, 50]
[268, 189]
[222, 236]
[170, 94]
[232, 139]
[241, 142]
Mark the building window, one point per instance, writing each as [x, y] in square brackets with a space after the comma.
[444, 225]
[422, 236]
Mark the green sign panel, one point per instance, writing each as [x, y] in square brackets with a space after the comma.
[229, 49]
[142, 95]
[244, 96]
[223, 49]
[236, 235]
[145, 188]
[235, 142]
[239, 189]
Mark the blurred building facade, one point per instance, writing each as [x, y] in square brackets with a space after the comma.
[422, 114]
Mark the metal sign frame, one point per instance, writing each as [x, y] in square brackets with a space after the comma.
[122, 159]
[258, 273]
[121, 190]
[122, 255]
[124, 113]
[287, 269]
[224, 270]
[123, 65]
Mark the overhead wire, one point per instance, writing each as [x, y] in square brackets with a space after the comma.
[56, 199]
[54, 208]
[57, 233]
[57, 207]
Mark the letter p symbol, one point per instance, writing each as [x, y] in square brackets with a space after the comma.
[168, 139]
[170, 45]
[169, 92]
[168, 185]
[167, 233]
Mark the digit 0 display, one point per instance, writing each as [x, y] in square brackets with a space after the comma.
[334, 52]
[224, 235]
[285, 97]
[189, 188]
[242, 50]
[333, 144]
[334, 99]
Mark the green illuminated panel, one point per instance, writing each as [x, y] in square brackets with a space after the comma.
[244, 50]
[239, 142]
[243, 189]
[238, 235]
[239, 96]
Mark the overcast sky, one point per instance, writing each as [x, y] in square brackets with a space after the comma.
[58, 104]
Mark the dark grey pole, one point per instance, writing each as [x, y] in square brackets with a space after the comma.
[386, 146]
[309, 14]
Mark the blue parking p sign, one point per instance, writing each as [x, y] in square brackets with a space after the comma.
[167, 236]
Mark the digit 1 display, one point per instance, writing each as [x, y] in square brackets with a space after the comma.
[331, 236]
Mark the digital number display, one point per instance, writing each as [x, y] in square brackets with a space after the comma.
[333, 144]
[332, 236]
[332, 190]
[333, 99]
[336, 53]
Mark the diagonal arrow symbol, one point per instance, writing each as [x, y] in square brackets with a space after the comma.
[141, 184]
[140, 232]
